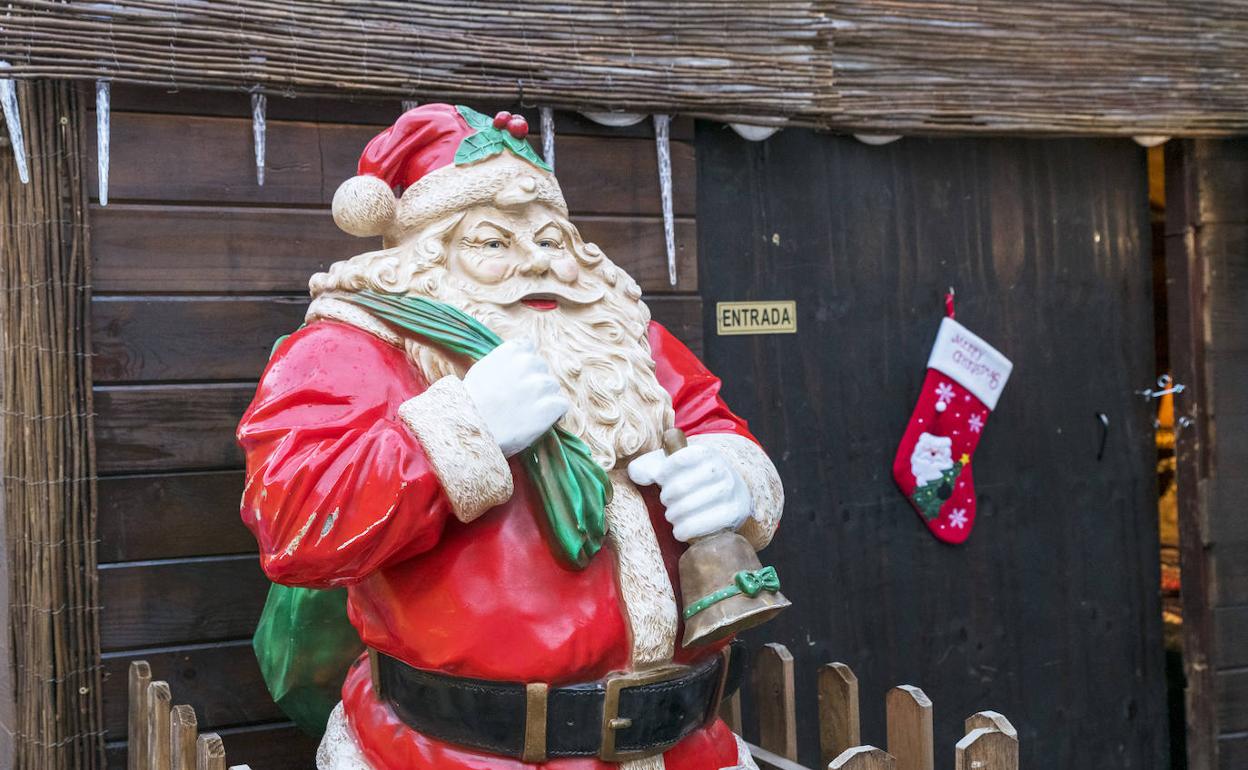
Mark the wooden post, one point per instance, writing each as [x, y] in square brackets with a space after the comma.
[209, 752]
[838, 711]
[136, 723]
[863, 758]
[910, 728]
[183, 733]
[775, 699]
[992, 720]
[158, 699]
[730, 712]
[986, 748]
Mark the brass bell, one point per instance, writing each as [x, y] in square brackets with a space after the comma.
[725, 588]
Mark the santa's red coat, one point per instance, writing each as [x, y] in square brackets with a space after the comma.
[340, 492]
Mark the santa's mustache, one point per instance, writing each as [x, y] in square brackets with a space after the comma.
[515, 290]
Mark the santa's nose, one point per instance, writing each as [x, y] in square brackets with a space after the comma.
[537, 263]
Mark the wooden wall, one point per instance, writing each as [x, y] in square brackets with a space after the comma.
[1050, 612]
[1207, 269]
[196, 271]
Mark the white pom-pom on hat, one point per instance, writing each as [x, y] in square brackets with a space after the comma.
[364, 206]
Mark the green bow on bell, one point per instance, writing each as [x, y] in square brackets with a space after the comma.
[750, 582]
[753, 582]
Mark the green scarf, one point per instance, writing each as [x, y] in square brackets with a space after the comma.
[575, 490]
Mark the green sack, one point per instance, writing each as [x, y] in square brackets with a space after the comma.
[305, 644]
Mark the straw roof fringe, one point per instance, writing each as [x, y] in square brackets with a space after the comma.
[872, 66]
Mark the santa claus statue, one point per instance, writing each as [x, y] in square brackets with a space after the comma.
[384, 462]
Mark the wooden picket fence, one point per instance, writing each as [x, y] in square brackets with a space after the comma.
[163, 736]
[166, 737]
[990, 742]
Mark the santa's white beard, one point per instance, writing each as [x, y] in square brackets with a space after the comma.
[600, 354]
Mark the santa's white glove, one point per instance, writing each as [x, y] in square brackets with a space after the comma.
[516, 394]
[701, 491]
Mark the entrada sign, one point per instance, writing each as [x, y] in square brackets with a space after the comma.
[777, 317]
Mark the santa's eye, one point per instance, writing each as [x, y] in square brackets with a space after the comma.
[548, 243]
[493, 244]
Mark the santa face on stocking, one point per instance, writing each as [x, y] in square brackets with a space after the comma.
[404, 470]
[932, 456]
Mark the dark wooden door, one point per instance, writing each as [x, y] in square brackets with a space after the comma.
[1050, 612]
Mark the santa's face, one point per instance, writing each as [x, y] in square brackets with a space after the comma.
[520, 258]
[932, 456]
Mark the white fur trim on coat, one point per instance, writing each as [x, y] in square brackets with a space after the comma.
[649, 601]
[339, 749]
[766, 492]
[466, 458]
[329, 308]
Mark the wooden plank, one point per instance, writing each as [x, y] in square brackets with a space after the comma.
[1228, 567]
[1186, 297]
[220, 680]
[1231, 691]
[168, 248]
[188, 338]
[183, 736]
[169, 515]
[910, 736]
[169, 427]
[991, 720]
[135, 715]
[838, 710]
[273, 746]
[354, 108]
[863, 758]
[1233, 751]
[774, 699]
[210, 752]
[1230, 629]
[307, 161]
[158, 721]
[986, 749]
[146, 604]
[182, 338]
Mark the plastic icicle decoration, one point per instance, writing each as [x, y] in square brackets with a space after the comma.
[410, 104]
[103, 103]
[663, 145]
[548, 137]
[575, 490]
[259, 105]
[8, 98]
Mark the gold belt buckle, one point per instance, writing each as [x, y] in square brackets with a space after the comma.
[611, 719]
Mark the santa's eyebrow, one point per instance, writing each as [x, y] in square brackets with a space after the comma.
[549, 224]
[493, 225]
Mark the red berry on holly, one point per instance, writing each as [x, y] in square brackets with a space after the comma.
[500, 120]
[518, 127]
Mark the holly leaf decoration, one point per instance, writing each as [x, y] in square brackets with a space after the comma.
[475, 119]
[490, 141]
[479, 146]
[522, 148]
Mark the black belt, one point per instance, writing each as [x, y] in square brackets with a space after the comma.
[624, 716]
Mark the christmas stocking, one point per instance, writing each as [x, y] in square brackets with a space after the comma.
[965, 377]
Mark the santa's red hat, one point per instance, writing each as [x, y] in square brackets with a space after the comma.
[442, 159]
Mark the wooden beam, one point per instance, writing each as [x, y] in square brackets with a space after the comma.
[183, 734]
[210, 752]
[863, 758]
[158, 702]
[986, 749]
[775, 699]
[838, 711]
[136, 723]
[910, 728]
